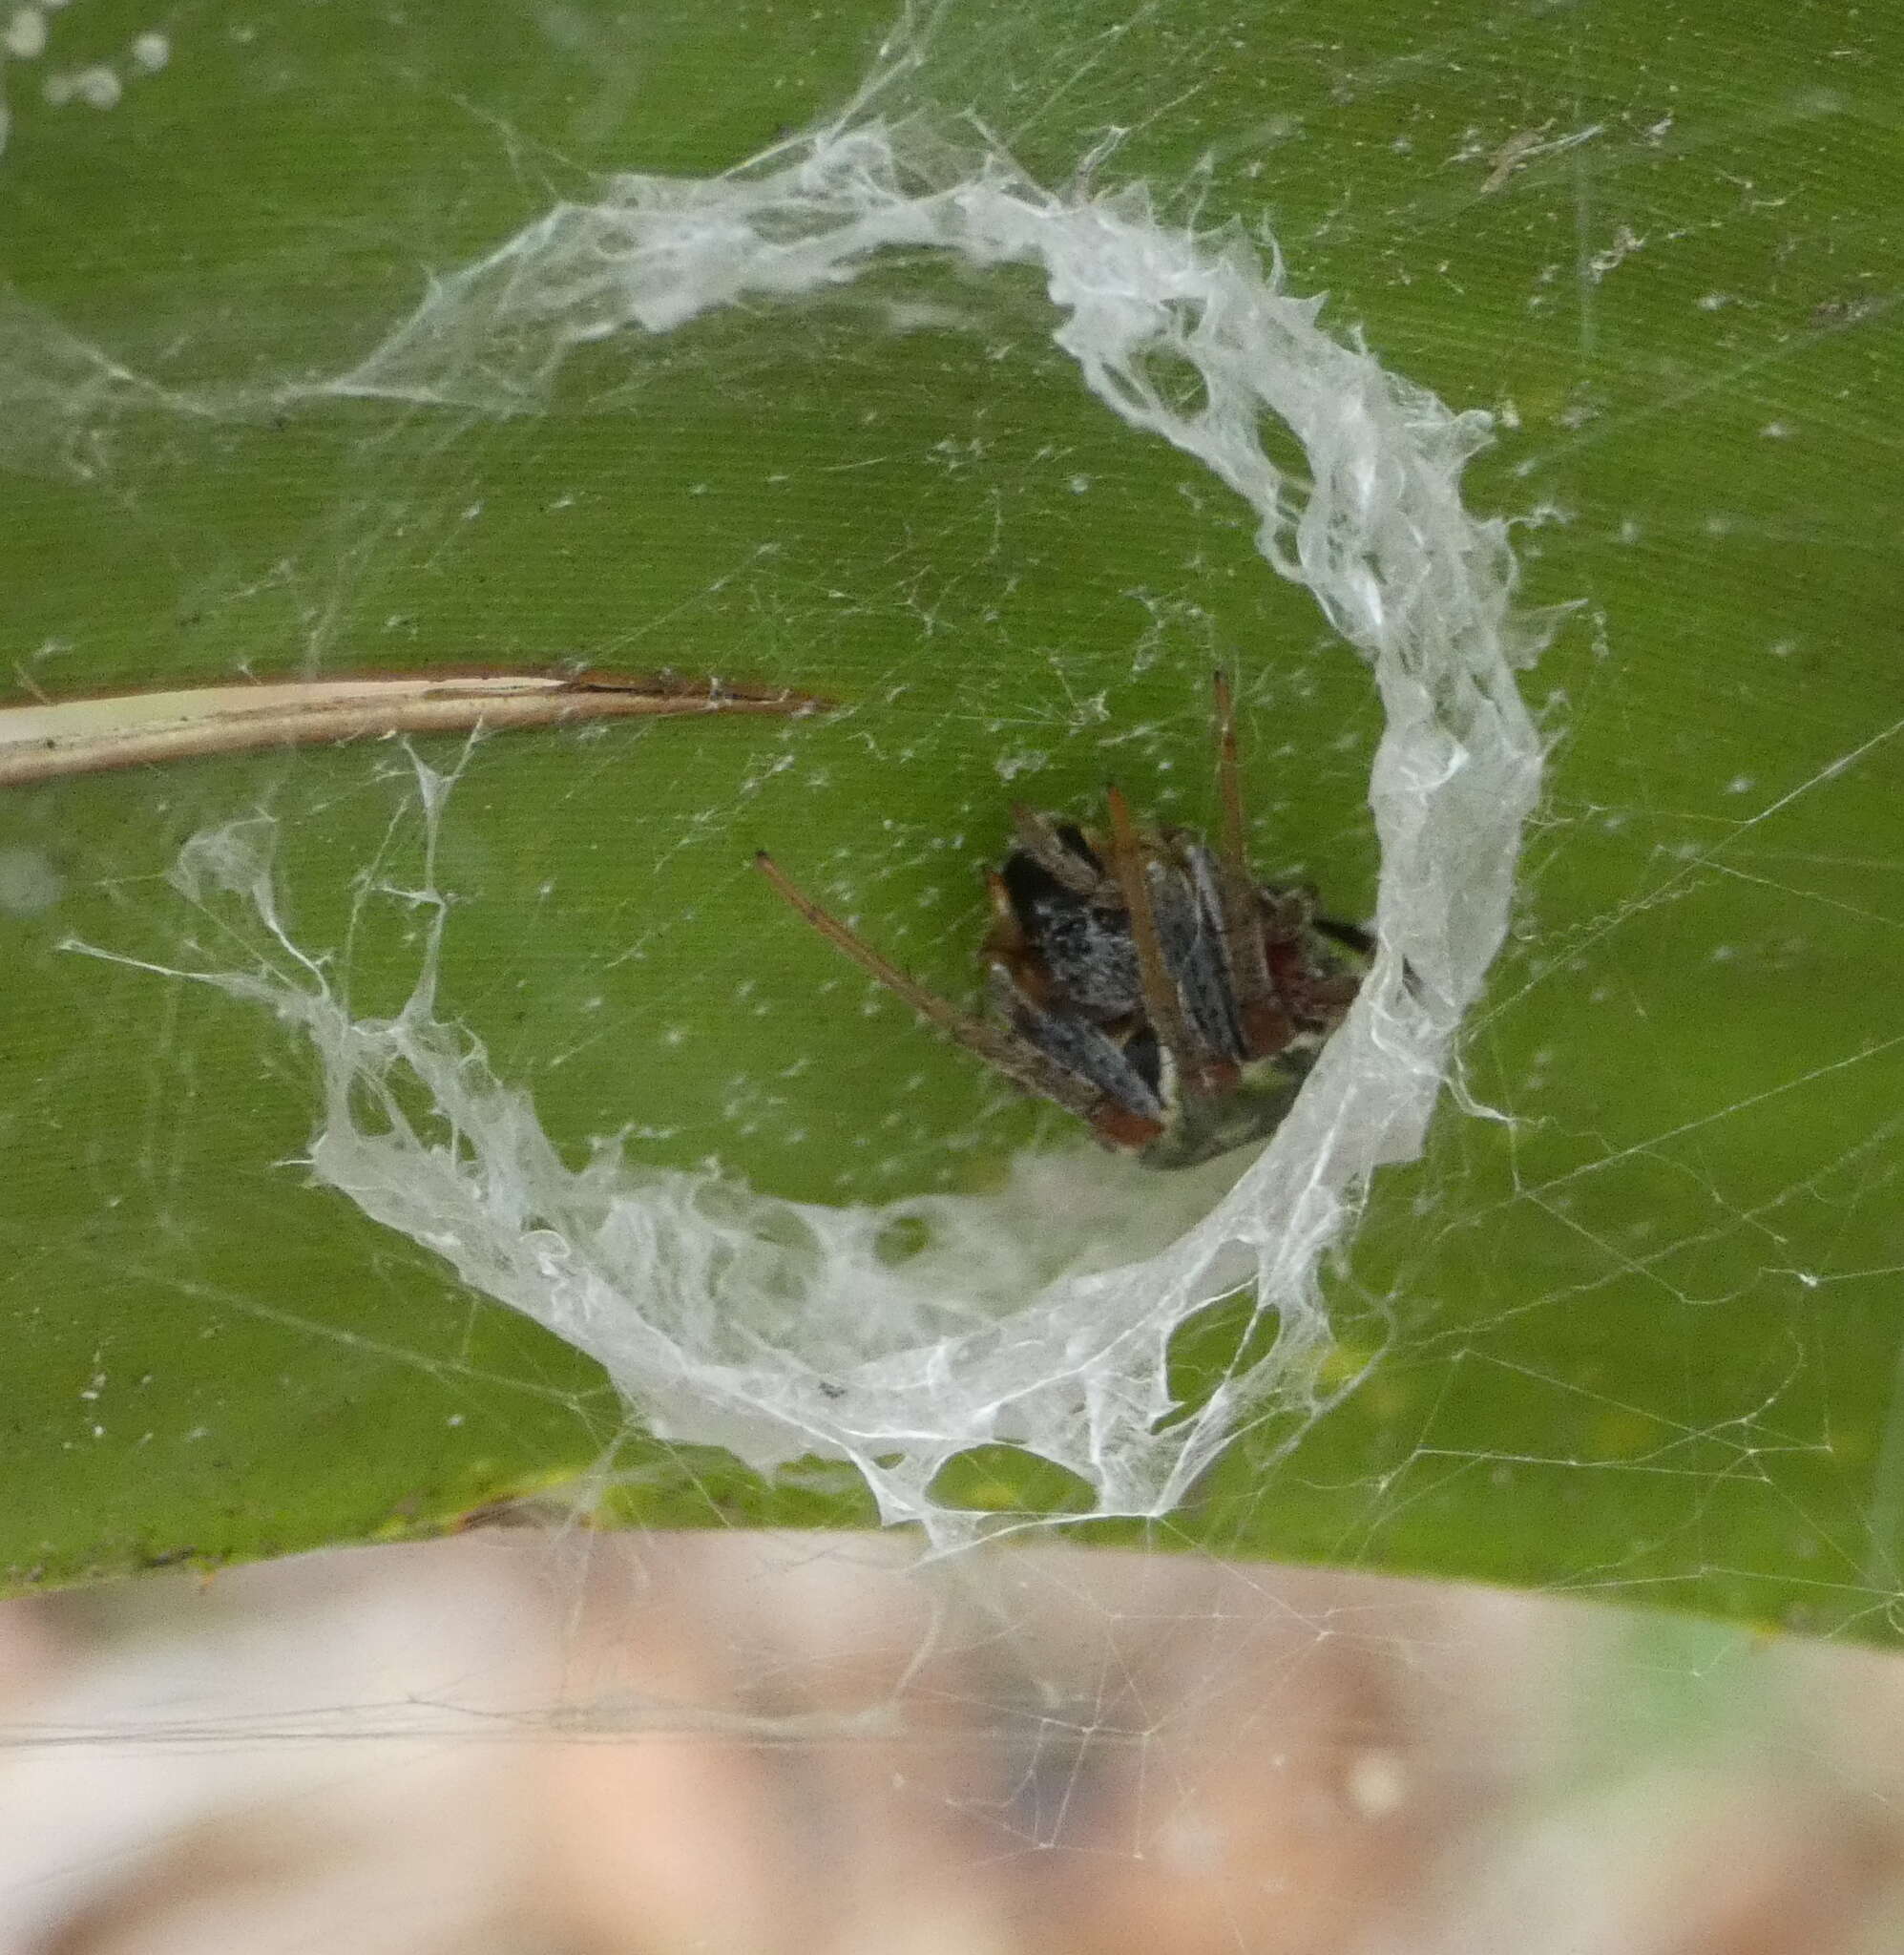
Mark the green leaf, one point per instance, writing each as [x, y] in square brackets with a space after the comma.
[1627, 1327]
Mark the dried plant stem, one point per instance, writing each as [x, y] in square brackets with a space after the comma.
[81, 736]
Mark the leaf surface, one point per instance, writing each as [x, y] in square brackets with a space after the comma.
[1635, 1313]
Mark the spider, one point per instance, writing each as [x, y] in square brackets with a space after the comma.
[1141, 979]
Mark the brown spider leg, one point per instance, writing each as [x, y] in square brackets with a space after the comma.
[1162, 1004]
[1115, 1122]
[1265, 1029]
[1038, 837]
[1017, 1058]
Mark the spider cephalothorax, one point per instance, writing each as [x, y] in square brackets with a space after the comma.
[1143, 980]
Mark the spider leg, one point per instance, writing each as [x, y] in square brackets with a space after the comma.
[1264, 1027]
[1105, 1087]
[1038, 837]
[1131, 864]
[1008, 1051]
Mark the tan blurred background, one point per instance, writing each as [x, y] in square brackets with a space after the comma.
[561, 1743]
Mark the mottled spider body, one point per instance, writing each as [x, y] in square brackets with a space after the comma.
[1143, 980]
